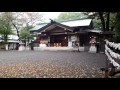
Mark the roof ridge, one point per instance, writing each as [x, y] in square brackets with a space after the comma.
[63, 21]
[41, 23]
[72, 20]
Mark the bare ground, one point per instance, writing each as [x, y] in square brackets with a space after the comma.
[51, 64]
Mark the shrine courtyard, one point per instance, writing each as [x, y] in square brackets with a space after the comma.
[51, 64]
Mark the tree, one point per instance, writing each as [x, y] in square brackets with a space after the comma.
[25, 34]
[104, 20]
[22, 19]
[5, 26]
[16, 21]
[109, 21]
[117, 28]
[70, 16]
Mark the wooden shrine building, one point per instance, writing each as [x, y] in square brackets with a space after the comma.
[66, 34]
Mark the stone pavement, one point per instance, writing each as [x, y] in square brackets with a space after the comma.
[51, 64]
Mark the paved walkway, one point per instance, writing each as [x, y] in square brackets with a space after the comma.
[51, 64]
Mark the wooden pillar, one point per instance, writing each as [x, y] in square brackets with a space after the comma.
[13, 46]
[78, 39]
[78, 44]
[68, 39]
[49, 41]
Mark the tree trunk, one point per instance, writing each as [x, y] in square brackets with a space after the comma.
[102, 20]
[117, 28]
[16, 30]
[108, 20]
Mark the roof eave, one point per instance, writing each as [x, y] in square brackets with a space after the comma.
[54, 23]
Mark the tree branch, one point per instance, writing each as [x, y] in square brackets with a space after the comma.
[16, 30]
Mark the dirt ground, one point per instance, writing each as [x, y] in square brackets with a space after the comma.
[51, 64]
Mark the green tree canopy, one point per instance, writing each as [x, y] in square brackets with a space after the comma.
[70, 16]
[25, 34]
[117, 28]
[107, 21]
[5, 25]
[102, 20]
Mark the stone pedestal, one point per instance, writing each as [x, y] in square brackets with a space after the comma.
[92, 49]
[6, 46]
[42, 45]
[21, 47]
[81, 48]
[69, 44]
[27, 48]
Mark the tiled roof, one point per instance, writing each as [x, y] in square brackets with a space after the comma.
[71, 23]
[38, 27]
[95, 31]
[84, 22]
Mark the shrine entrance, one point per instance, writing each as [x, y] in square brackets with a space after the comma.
[59, 40]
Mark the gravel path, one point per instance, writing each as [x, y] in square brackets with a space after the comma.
[51, 64]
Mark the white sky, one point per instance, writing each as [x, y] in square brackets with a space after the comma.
[50, 15]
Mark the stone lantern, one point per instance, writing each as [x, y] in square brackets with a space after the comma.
[93, 45]
[21, 47]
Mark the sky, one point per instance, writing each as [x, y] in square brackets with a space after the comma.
[50, 15]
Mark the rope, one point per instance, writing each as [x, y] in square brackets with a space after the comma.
[110, 54]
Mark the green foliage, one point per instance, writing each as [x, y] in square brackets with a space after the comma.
[114, 23]
[96, 19]
[5, 26]
[70, 16]
[97, 24]
[117, 29]
[112, 19]
[25, 34]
